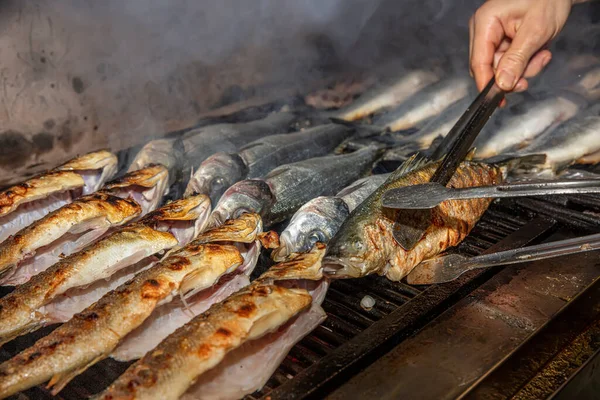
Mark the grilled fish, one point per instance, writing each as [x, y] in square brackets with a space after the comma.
[25, 203]
[339, 95]
[169, 370]
[426, 104]
[319, 219]
[364, 244]
[258, 158]
[80, 279]
[570, 142]
[388, 95]
[278, 195]
[93, 334]
[242, 233]
[75, 225]
[166, 152]
[525, 123]
[203, 142]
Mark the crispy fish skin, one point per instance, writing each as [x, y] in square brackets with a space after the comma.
[38, 188]
[146, 177]
[114, 210]
[94, 160]
[93, 334]
[20, 310]
[365, 244]
[172, 367]
[244, 229]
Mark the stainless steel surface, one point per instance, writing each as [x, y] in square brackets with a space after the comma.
[447, 268]
[429, 195]
[458, 141]
[461, 345]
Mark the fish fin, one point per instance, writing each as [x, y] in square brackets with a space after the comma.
[414, 162]
[201, 279]
[59, 381]
[509, 162]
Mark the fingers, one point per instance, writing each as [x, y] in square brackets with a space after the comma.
[528, 40]
[537, 63]
[487, 36]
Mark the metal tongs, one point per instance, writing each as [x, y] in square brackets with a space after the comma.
[454, 148]
[447, 268]
[430, 195]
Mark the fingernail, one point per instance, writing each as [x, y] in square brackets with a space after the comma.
[546, 60]
[506, 80]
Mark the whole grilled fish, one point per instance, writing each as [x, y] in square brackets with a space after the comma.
[203, 343]
[339, 95]
[278, 195]
[426, 104]
[525, 123]
[388, 94]
[203, 142]
[319, 219]
[364, 244]
[258, 158]
[27, 202]
[64, 289]
[93, 334]
[77, 224]
[570, 142]
[165, 152]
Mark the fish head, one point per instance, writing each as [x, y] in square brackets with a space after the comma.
[348, 253]
[216, 174]
[247, 196]
[316, 221]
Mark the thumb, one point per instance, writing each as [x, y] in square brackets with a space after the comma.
[528, 40]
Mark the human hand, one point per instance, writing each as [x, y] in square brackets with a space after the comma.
[508, 39]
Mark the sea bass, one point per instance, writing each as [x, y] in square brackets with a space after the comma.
[426, 104]
[255, 160]
[93, 334]
[27, 202]
[278, 195]
[201, 143]
[364, 244]
[258, 314]
[77, 224]
[80, 279]
[319, 219]
[166, 152]
[388, 94]
[520, 125]
[570, 142]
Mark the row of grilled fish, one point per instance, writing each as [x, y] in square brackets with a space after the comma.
[146, 298]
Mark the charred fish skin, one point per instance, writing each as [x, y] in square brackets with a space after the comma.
[295, 184]
[114, 211]
[93, 334]
[20, 310]
[365, 243]
[25, 203]
[172, 367]
[201, 143]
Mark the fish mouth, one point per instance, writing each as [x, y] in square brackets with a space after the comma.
[339, 267]
[284, 250]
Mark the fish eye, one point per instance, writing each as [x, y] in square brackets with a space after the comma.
[218, 183]
[316, 236]
[358, 245]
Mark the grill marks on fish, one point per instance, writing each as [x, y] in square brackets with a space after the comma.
[365, 242]
[94, 333]
[171, 368]
[27, 202]
[27, 307]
